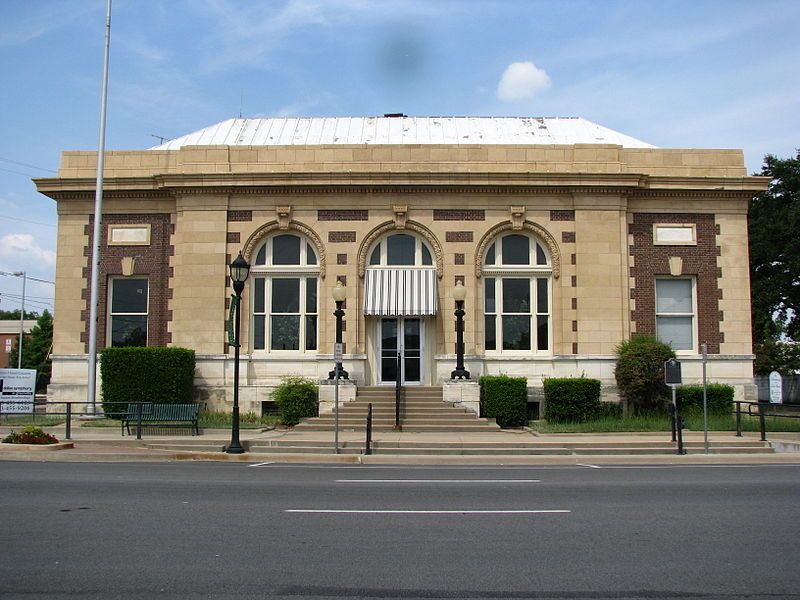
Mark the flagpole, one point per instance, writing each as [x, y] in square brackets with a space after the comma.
[91, 408]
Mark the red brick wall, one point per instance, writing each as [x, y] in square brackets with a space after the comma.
[152, 262]
[699, 261]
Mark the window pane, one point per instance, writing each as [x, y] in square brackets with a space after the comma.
[388, 334]
[311, 294]
[311, 332]
[259, 321]
[516, 332]
[675, 331]
[541, 257]
[490, 301]
[490, 332]
[258, 294]
[285, 332]
[426, 256]
[286, 250]
[516, 295]
[674, 296]
[261, 257]
[285, 295]
[490, 255]
[311, 256]
[129, 296]
[375, 257]
[541, 296]
[516, 250]
[542, 341]
[129, 330]
[400, 250]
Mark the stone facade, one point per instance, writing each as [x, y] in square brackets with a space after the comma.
[593, 207]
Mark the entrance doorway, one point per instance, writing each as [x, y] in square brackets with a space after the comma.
[403, 336]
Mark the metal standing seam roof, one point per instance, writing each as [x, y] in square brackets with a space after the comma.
[313, 131]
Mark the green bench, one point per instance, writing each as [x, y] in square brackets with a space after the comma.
[170, 414]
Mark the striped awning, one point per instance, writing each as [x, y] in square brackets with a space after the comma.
[400, 292]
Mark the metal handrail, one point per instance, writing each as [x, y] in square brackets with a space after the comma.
[397, 388]
[762, 411]
[368, 444]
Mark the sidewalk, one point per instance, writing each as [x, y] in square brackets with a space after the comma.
[520, 447]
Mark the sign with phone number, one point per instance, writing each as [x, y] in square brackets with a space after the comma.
[17, 390]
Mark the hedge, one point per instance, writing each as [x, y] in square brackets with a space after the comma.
[571, 399]
[720, 398]
[640, 373]
[297, 398]
[504, 399]
[149, 374]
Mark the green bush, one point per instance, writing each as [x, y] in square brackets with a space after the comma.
[30, 435]
[159, 375]
[720, 398]
[608, 410]
[574, 399]
[297, 398]
[640, 373]
[504, 399]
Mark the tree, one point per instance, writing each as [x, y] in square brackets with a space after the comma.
[13, 315]
[640, 373]
[774, 231]
[36, 350]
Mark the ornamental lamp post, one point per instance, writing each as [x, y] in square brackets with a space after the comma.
[339, 294]
[459, 294]
[239, 272]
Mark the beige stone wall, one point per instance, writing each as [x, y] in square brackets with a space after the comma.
[734, 284]
[68, 325]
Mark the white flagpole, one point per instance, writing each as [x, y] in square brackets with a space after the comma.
[91, 408]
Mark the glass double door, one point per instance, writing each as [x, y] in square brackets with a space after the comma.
[401, 336]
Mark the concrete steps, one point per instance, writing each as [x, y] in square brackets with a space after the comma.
[421, 409]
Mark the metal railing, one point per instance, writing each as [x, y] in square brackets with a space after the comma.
[762, 410]
[368, 444]
[397, 390]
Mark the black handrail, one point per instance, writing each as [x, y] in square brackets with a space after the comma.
[762, 410]
[368, 445]
[397, 388]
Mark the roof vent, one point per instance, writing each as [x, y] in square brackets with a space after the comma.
[394, 115]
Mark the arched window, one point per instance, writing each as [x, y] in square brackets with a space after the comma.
[400, 250]
[285, 285]
[517, 295]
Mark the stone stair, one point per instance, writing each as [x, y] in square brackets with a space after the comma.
[421, 409]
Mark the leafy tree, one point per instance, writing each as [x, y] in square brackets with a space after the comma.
[774, 231]
[640, 373]
[772, 355]
[13, 315]
[36, 350]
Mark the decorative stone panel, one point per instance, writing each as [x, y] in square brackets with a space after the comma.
[562, 215]
[240, 215]
[460, 214]
[342, 215]
[458, 236]
[341, 236]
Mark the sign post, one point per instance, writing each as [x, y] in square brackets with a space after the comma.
[672, 377]
[704, 349]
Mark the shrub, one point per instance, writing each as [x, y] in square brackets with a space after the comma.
[159, 375]
[297, 398]
[30, 435]
[573, 399]
[720, 398]
[640, 373]
[504, 399]
[608, 410]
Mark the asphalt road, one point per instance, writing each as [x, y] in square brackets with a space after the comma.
[221, 530]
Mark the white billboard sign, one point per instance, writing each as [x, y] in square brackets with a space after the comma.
[17, 390]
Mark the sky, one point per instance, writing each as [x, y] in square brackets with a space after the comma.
[673, 73]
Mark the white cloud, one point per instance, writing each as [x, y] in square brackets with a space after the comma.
[22, 251]
[522, 81]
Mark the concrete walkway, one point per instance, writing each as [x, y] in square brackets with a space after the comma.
[519, 446]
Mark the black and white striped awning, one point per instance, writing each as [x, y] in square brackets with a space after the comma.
[400, 292]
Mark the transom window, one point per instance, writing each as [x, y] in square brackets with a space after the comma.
[675, 310]
[285, 295]
[517, 295]
[127, 317]
[401, 250]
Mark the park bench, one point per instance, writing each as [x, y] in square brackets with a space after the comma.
[166, 414]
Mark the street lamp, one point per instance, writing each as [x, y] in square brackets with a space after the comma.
[239, 272]
[339, 294]
[459, 294]
[24, 276]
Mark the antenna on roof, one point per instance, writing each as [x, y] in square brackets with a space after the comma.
[161, 139]
[241, 102]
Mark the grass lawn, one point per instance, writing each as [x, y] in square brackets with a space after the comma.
[208, 420]
[25, 420]
[658, 423]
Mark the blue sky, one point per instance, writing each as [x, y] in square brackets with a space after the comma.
[674, 73]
